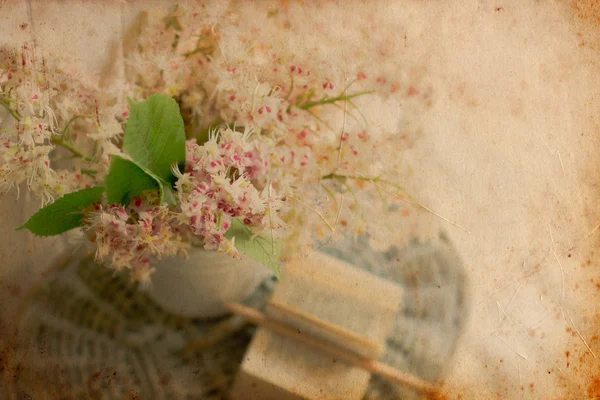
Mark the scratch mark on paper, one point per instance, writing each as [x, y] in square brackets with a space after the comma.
[562, 166]
[585, 238]
[580, 335]
[555, 153]
[509, 303]
[510, 347]
[562, 270]
[518, 367]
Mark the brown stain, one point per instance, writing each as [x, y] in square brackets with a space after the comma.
[462, 93]
[517, 108]
[93, 379]
[10, 288]
[585, 24]
[593, 390]
[588, 12]
[440, 396]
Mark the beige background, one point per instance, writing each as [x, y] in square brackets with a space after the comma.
[509, 151]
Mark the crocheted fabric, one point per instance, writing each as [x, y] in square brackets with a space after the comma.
[100, 337]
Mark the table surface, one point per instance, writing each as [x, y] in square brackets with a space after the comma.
[99, 336]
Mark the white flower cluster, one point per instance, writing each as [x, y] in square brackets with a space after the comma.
[46, 108]
[276, 134]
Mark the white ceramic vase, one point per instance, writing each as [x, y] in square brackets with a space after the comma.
[200, 286]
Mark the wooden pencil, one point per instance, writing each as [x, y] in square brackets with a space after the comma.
[373, 366]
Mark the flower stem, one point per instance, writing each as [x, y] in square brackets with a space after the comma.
[64, 132]
[363, 178]
[73, 150]
[90, 172]
[12, 112]
[291, 88]
[203, 50]
[344, 177]
[330, 100]
[406, 197]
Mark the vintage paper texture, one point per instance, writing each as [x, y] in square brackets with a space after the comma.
[509, 151]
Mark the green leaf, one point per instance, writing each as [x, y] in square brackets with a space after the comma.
[155, 136]
[126, 180]
[168, 194]
[259, 248]
[64, 214]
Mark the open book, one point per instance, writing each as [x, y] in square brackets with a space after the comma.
[324, 297]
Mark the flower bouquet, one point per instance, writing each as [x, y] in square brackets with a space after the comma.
[216, 136]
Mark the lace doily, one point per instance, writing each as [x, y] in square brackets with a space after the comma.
[95, 335]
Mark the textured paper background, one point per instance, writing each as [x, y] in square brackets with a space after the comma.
[509, 151]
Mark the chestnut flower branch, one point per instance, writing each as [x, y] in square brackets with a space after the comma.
[228, 142]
